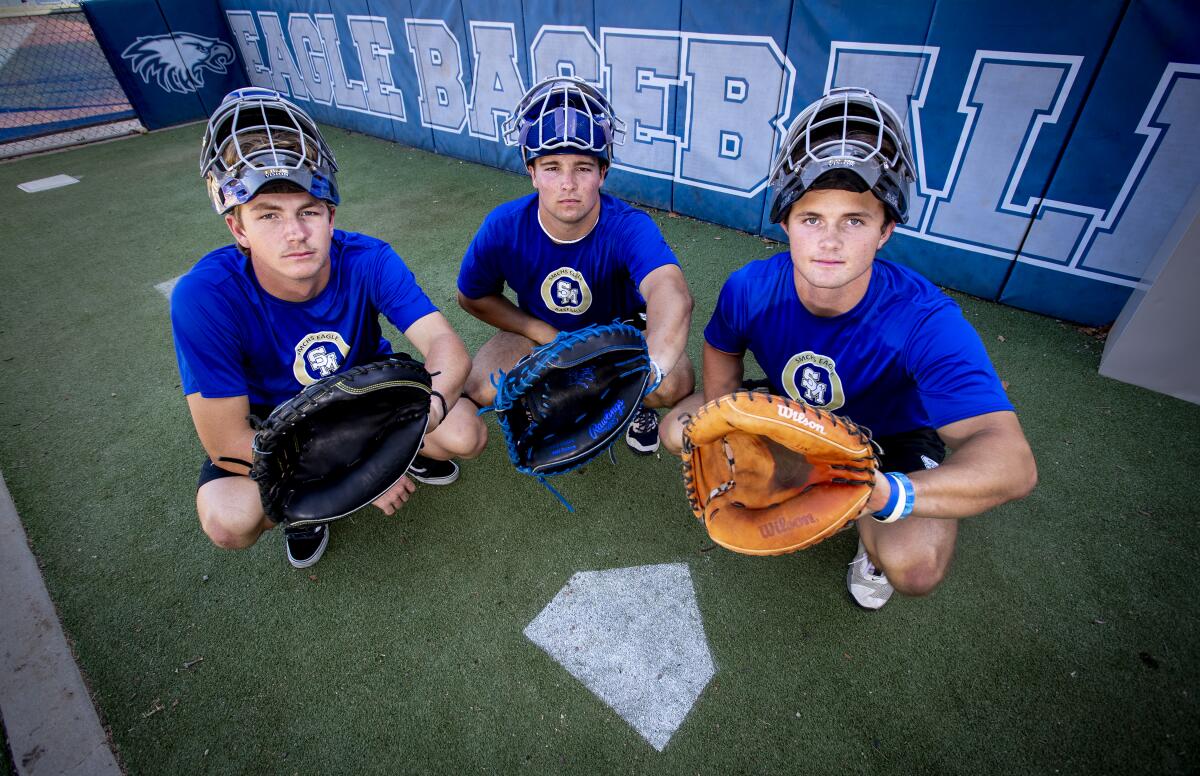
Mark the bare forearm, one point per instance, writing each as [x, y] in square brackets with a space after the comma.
[448, 362]
[990, 467]
[667, 327]
[242, 449]
[499, 312]
[668, 315]
[223, 430]
[956, 490]
[723, 372]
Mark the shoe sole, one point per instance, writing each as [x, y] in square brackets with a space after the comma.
[638, 450]
[449, 478]
[311, 560]
[859, 606]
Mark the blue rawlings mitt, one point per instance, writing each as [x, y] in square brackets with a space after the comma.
[568, 400]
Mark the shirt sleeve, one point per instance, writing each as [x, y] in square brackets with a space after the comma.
[207, 345]
[480, 274]
[396, 292]
[726, 328]
[954, 375]
[645, 246]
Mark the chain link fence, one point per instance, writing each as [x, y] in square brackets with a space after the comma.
[56, 88]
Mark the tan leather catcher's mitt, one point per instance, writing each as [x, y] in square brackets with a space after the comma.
[768, 475]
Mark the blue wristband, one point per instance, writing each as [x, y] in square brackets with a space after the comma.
[657, 374]
[900, 501]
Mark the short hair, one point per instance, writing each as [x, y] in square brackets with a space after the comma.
[251, 143]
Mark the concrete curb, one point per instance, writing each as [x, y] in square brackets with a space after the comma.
[48, 715]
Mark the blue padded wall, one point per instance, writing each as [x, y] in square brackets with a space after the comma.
[174, 60]
[1049, 137]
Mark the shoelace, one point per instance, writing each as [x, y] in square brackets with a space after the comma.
[642, 421]
[869, 569]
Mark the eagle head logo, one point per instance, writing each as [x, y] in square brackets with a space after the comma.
[177, 62]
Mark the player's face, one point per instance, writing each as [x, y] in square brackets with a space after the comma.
[833, 236]
[568, 187]
[288, 236]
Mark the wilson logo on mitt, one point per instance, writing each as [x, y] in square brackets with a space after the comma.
[768, 475]
[787, 412]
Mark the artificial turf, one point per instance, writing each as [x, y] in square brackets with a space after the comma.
[1064, 640]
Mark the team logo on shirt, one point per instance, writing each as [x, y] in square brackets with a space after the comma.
[812, 378]
[318, 355]
[565, 291]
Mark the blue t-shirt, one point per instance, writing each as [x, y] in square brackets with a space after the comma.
[571, 285]
[903, 358]
[232, 338]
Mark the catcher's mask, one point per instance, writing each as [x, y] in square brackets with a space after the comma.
[564, 115]
[256, 136]
[847, 129]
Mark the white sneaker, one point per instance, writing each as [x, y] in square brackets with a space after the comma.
[642, 434]
[869, 587]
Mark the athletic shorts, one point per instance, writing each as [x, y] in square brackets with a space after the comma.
[209, 471]
[907, 452]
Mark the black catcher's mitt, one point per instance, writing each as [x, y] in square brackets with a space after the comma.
[568, 400]
[341, 442]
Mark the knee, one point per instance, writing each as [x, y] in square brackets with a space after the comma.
[915, 573]
[464, 439]
[224, 534]
[473, 438]
[676, 386]
[670, 434]
[479, 388]
[670, 429]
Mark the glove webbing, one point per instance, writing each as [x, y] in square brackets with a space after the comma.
[688, 447]
[509, 394]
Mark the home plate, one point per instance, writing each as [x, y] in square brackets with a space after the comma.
[167, 286]
[634, 637]
[45, 184]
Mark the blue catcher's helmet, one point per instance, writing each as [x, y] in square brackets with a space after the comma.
[255, 136]
[564, 115]
[847, 129]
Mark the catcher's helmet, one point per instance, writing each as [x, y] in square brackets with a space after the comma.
[256, 136]
[564, 115]
[847, 129]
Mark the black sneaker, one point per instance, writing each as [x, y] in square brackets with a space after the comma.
[433, 472]
[306, 545]
[642, 434]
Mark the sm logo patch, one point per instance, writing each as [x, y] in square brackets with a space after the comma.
[565, 291]
[813, 379]
[318, 355]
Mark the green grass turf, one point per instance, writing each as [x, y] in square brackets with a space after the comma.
[1064, 640]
